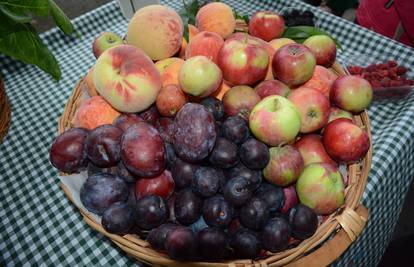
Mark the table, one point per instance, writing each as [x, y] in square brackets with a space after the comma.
[39, 226]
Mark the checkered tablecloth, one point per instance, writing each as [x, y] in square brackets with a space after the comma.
[39, 226]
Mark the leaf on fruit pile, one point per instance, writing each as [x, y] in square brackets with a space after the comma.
[60, 18]
[38, 7]
[14, 14]
[188, 13]
[301, 33]
[241, 16]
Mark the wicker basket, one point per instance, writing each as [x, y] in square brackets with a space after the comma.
[5, 111]
[346, 224]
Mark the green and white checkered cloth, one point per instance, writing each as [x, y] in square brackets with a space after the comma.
[39, 226]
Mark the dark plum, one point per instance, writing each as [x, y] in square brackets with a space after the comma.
[245, 244]
[213, 244]
[254, 154]
[162, 185]
[101, 190]
[275, 235]
[199, 225]
[181, 244]
[150, 115]
[303, 221]
[118, 218]
[93, 169]
[234, 226]
[68, 151]
[214, 106]
[170, 155]
[217, 211]
[157, 236]
[237, 191]
[195, 132]
[143, 151]
[224, 154]
[254, 214]
[183, 173]
[252, 176]
[125, 120]
[206, 182]
[187, 206]
[170, 203]
[272, 195]
[165, 127]
[235, 129]
[123, 172]
[151, 211]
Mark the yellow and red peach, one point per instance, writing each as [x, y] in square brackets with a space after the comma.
[216, 17]
[206, 44]
[224, 87]
[266, 25]
[240, 100]
[192, 31]
[170, 100]
[322, 80]
[162, 64]
[156, 29]
[170, 75]
[127, 78]
[199, 76]
[89, 83]
[94, 112]
[279, 42]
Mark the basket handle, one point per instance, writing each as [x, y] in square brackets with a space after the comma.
[333, 248]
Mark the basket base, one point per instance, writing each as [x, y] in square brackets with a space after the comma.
[5, 111]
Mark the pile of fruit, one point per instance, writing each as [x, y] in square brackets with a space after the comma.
[228, 150]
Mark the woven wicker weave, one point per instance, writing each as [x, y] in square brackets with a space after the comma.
[5, 112]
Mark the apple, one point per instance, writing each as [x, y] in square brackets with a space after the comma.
[313, 106]
[321, 188]
[351, 93]
[240, 100]
[127, 78]
[162, 185]
[266, 25]
[272, 87]
[344, 141]
[293, 64]
[291, 198]
[199, 76]
[104, 41]
[243, 62]
[312, 150]
[337, 113]
[279, 42]
[323, 48]
[275, 120]
[284, 167]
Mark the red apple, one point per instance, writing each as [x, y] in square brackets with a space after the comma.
[337, 113]
[311, 148]
[344, 141]
[293, 64]
[351, 93]
[243, 61]
[266, 25]
[104, 41]
[272, 87]
[240, 100]
[291, 198]
[313, 107]
[323, 48]
[162, 185]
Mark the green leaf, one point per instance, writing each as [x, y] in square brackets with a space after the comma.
[37, 7]
[15, 14]
[301, 33]
[60, 18]
[238, 15]
[188, 13]
[25, 45]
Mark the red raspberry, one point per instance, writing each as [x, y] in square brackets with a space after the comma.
[385, 82]
[355, 70]
[376, 75]
[392, 63]
[366, 75]
[383, 66]
[384, 73]
[375, 84]
[396, 83]
[401, 70]
[370, 68]
[410, 82]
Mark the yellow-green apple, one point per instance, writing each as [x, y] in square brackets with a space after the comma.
[351, 93]
[205, 44]
[313, 106]
[240, 100]
[104, 41]
[243, 62]
[266, 25]
[163, 64]
[272, 87]
[275, 120]
[321, 188]
[279, 42]
[127, 78]
[344, 141]
[170, 100]
[337, 113]
[285, 165]
[199, 76]
[293, 64]
[323, 48]
[312, 150]
[156, 29]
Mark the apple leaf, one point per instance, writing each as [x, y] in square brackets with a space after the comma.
[188, 13]
[60, 18]
[301, 33]
[38, 7]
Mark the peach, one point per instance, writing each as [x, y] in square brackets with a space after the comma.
[206, 44]
[127, 78]
[89, 83]
[170, 100]
[224, 87]
[216, 17]
[322, 80]
[170, 75]
[156, 29]
[162, 64]
[94, 112]
[192, 31]
[279, 42]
